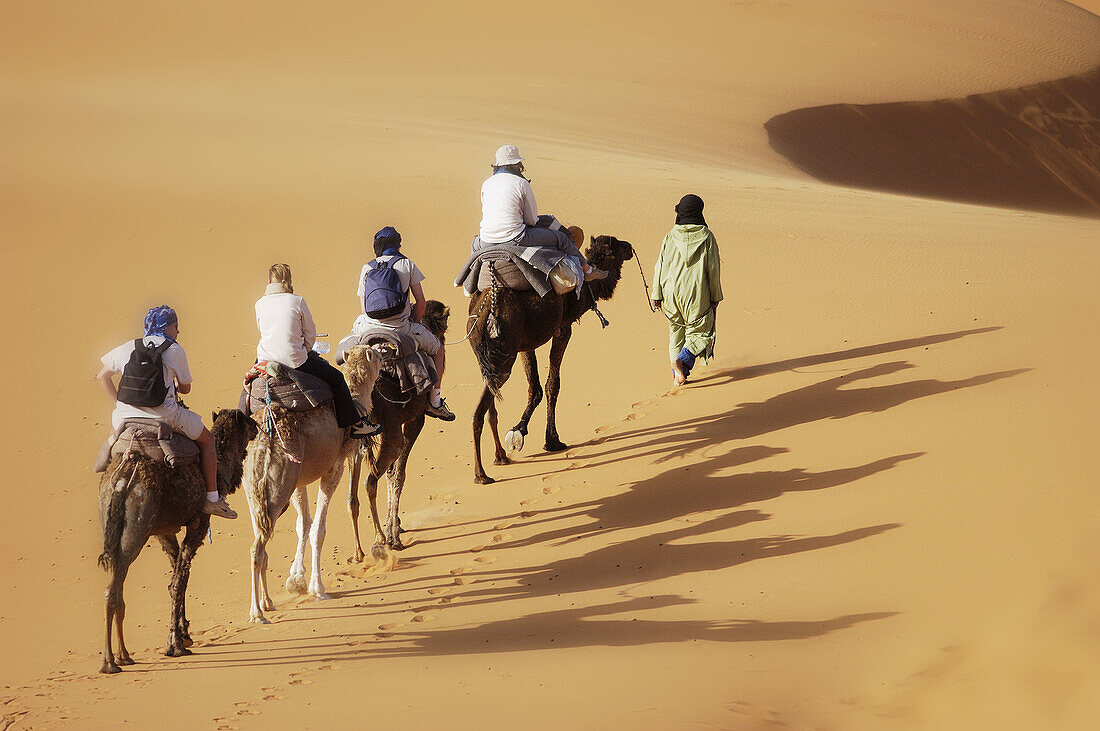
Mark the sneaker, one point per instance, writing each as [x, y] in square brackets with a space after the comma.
[220, 509]
[440, 412]
[595, 275]
[365, 428]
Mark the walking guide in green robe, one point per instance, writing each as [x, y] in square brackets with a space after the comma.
[687, 286]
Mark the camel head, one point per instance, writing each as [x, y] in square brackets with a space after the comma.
[232, 432]
[435, 318]
[361, 367]
[608, 252]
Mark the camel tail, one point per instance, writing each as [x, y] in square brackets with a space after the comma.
[487, 348]
[491, 376]
[114, 522]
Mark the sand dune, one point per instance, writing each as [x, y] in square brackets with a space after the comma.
[1037, 147]
[876, 509]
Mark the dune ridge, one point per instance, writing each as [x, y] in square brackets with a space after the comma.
[1036, 147]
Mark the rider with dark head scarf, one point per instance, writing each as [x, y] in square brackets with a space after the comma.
[687, 286]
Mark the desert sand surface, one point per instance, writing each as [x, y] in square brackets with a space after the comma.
[876, 508]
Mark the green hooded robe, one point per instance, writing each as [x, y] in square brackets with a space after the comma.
[687, 281]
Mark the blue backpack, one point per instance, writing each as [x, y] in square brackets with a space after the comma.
[383, 294]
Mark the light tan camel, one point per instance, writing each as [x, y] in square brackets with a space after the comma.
[309, 446]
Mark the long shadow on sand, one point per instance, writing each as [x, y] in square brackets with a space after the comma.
[681, 521]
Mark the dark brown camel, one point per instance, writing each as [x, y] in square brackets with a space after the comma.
[523, 322]
[140, 498]
[402, 418]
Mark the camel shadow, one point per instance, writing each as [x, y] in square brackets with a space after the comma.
[832, 398]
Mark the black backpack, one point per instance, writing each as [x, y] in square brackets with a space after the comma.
[142, 382]
[383, 295]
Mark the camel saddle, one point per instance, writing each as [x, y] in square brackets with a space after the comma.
[288, 387]
[412, 369]
[150, 438]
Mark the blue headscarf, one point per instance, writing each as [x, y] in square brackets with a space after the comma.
[387, 241]
[158, 318]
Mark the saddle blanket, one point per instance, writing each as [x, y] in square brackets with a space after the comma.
[517, 266]
[150, 438]
[290, 388]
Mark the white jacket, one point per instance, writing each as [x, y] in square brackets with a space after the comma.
[287, 332]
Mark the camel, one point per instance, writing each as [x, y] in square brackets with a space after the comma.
[140, 498]
[306, 446]
[522, 322]
[401, 418]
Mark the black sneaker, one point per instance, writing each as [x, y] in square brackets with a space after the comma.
[365, 428]
[440, 412]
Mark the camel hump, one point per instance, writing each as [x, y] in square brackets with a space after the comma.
[150, 438]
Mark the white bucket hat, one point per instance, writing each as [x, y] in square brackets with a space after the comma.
[507, 155]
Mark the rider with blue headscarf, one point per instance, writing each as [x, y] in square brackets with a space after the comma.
[162, 326]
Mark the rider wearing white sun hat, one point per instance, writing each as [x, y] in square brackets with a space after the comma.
[509, 213]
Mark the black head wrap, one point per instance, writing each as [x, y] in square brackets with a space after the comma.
[689, 211]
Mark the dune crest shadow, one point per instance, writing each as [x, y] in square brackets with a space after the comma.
[1036, 147]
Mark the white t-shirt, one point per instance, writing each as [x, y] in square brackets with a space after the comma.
[408, 273]
[507, 203]
[176, 370]
[287, 331]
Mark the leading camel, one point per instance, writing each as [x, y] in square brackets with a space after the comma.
[523, 322]
[402, 418]
[140, 497]
[305, 446]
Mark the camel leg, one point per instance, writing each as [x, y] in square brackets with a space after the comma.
[396, 483]
[353, 502]
[134, 535]
[177, 626]
[514, 438]
[479, 423]
[553, 385]
[259, 565]
[114, 590]
[329, 484]
[388, 450]
[178, 639]
[296, 582]
[499, 456]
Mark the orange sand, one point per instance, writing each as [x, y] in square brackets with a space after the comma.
[877, 509]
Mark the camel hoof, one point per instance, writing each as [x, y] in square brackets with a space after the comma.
[396, 544]
[174, 651]
[357, 558]
[259, 620]
[320, 595]
[378, 552]
[555, 446]
[501, 459]
[513, 440]
[125, 661]
[110, 668]
[296, 585]
[186, 642]
[483, 480]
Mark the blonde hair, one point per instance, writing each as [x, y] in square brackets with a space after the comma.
[280, 274]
